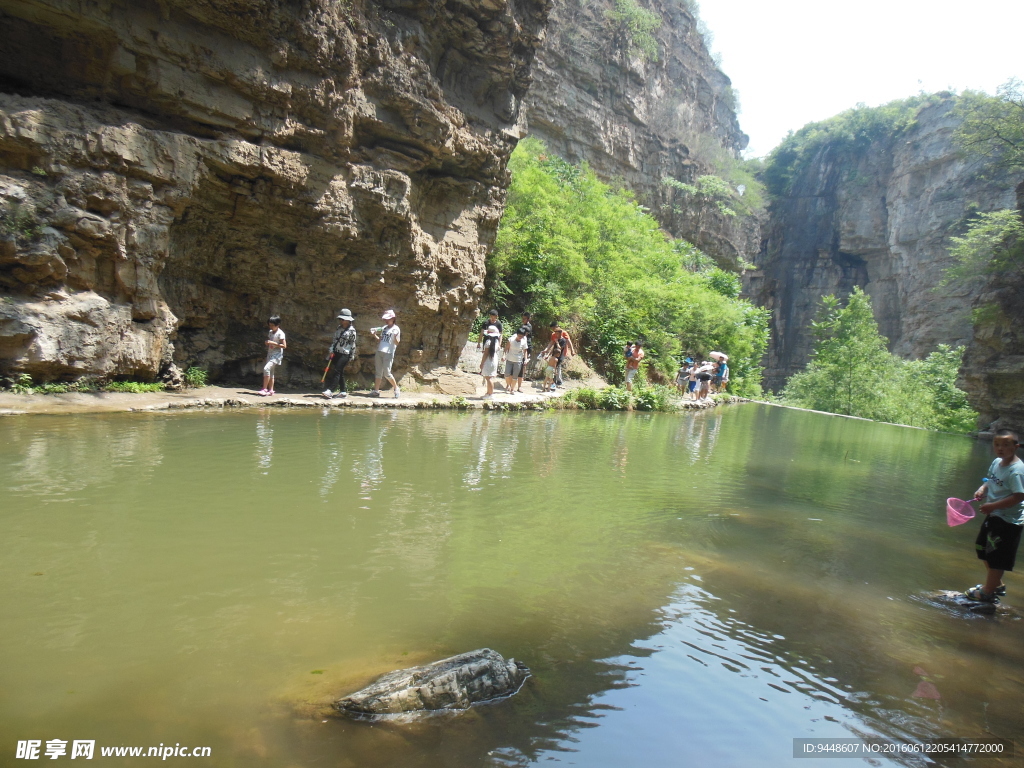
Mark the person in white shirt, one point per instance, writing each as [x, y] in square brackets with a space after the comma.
[276, 346]
[516, 350]
[388, 335]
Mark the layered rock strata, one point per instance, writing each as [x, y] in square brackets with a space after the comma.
[172, 172]
[637, 118]
[880, 219]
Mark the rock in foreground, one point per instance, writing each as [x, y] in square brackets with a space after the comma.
[452, 683]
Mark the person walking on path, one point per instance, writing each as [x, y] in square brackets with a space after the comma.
[516, 351]
[704, 380]
[634, 354]
[276, 345]
[559, 347]
[1000, 532]
[721, 376]
[526, 318]
[343, 349]
[489, 361]
[388, 336]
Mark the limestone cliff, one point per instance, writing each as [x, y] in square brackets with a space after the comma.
[174, 171]
[993, 369]
[879, 218]
[637, 119]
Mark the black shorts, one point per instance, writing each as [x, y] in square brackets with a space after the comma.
[997, 543]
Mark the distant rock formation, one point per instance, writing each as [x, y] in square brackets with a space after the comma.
[174, 171]
[880, 219]
[636, 119]
[453, 683]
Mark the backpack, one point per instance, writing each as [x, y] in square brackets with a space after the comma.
[628, 351]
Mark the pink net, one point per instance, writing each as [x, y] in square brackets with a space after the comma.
[958, 511]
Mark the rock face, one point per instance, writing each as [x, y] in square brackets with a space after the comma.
[636, 120]
[452, 683]
[172, 172]
[993, 369]
[880, 220]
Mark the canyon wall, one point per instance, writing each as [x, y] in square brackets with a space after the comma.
[881, 219]
[172, 172]
[636, 118]
[993, 369]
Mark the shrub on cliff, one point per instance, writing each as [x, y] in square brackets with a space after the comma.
[574, 248]
[848, 133]
[993, 126]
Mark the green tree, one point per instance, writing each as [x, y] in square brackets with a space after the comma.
[849, 359]
[992, 244]
[992, 127]
[853, 373]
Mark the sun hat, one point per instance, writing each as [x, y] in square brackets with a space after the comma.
[388, 315]
[492, 331]
[346, 314]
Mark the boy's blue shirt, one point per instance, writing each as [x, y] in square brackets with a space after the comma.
[1004, 481]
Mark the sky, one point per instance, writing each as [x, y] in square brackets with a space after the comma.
[798, 61]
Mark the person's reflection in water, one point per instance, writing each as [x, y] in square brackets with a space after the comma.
[370, 471]
[264, 443]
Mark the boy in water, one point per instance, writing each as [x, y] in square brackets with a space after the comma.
[999, 536]
[276, 346]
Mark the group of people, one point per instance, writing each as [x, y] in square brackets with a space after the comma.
[518, 353]
[700, 380]
[340, 353]
[516, 348]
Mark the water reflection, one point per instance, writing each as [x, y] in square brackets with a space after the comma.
[669, 579]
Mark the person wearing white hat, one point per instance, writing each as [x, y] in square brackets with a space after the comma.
[343, 349]
[489, 361]
[388, 335]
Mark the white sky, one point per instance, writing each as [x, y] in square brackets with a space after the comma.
[797, 61]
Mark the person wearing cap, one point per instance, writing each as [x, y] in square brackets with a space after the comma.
[389, 336]
[343, 349]
[516, 349]
[560, 347]
[489, 361]
[492, 319]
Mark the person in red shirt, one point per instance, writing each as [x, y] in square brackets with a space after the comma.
[559, 347]
[634, 354]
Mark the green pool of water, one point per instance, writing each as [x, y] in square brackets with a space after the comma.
[695, 589]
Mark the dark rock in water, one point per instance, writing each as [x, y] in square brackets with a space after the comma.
[452, 683]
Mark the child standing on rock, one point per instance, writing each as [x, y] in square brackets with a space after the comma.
[1000, 532]
[276, 346]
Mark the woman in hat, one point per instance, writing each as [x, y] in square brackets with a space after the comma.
[489, 360]
[388, 336]
[343, 349]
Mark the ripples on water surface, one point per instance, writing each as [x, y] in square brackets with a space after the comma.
[694, 589]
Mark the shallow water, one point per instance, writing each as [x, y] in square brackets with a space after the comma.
[695, 589]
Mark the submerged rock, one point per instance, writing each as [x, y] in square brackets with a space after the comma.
[453, 683]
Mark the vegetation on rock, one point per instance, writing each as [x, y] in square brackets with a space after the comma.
[574, 248]
[850, 132]
[637, 25]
